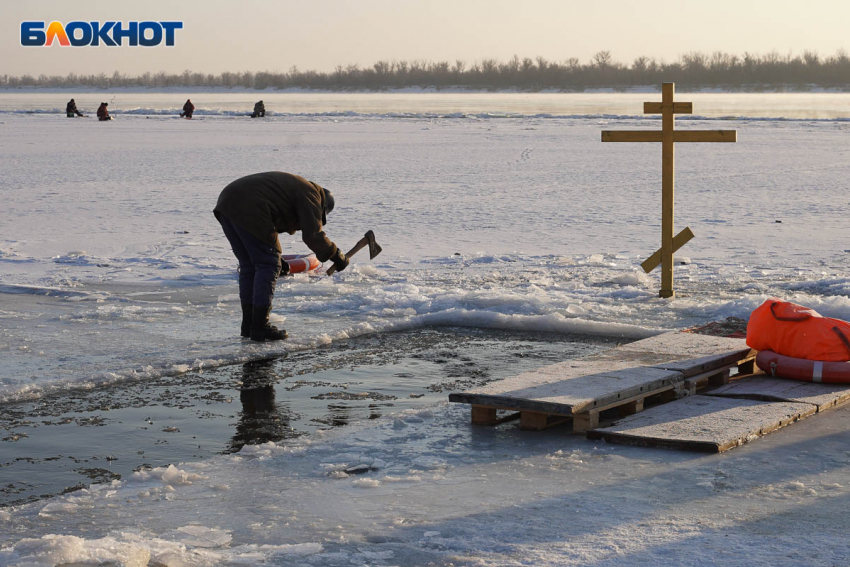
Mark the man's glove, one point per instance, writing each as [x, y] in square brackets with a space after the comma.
[339, 260]
[284, 269]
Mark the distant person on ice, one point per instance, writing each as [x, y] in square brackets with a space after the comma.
[188, 109]
[102, 112]
[71, 109]
[259, 110]
[252, 211]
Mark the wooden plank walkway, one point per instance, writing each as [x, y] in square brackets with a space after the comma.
[727, 416]
[619, 383]
[626, 379]
[704, 423]
[822, 396]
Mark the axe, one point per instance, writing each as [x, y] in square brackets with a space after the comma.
[374, 249]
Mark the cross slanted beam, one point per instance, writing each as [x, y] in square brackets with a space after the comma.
[668, 136]
[678, 241]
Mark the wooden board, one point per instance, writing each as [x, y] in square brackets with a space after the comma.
[678, 136]
[687, 345]
[577, 389]
[703, 423]
[678, 108]
[695, 366]
[688, 353]
[705, 136]
[678, 241]
[823, 396]
[710, 379]
[691, 354]
[634, 369]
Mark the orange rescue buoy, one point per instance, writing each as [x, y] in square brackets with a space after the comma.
[803, 369]
[798, 332]
[301, 262]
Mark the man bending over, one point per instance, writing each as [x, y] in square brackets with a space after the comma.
[252, 211]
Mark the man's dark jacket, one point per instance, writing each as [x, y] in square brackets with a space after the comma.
[266, 204]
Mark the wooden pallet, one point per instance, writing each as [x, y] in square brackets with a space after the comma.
[705, 380]
[611, 384]
[540, 406]
[487, 415]
[721, 376]
[587, 420]
[582, 421]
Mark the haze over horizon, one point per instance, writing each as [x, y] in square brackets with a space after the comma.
[261, 35]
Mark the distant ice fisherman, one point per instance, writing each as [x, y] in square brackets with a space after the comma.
[102, 112]
[71, 109]
[259, 110]
[252, 211]
[188, 109]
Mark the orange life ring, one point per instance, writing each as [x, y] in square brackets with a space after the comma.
[301, 262]
[803, 369]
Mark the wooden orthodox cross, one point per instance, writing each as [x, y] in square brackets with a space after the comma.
[668, 136]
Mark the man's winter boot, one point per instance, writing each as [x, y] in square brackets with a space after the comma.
[261, 330]
[247, 317]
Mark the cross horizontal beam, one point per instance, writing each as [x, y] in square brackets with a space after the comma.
[678, 107]
[678, 241]
[678, 136]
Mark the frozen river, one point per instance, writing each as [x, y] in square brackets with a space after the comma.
[113, 266]
[238, 102]
[113, 270]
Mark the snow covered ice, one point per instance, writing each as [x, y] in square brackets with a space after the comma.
[113, 268]
[440, 492]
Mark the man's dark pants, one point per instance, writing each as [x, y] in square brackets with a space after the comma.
[259, 264]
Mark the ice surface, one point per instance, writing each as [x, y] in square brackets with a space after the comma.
[441, 491]
[428, 102]
[113, 268]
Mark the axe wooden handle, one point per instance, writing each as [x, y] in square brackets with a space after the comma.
[357, 248]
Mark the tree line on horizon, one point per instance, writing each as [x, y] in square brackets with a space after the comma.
[692, 70]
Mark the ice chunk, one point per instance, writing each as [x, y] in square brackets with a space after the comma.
[55, 508]
[202, 536]
[54, 549]
[408, 478]
[634, 278]
[173, 476]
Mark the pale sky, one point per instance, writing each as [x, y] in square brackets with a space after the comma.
[267, 35]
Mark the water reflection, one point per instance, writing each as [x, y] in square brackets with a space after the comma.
[338, 415]
[262, 419]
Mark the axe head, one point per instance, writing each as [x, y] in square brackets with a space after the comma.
[374, 247]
